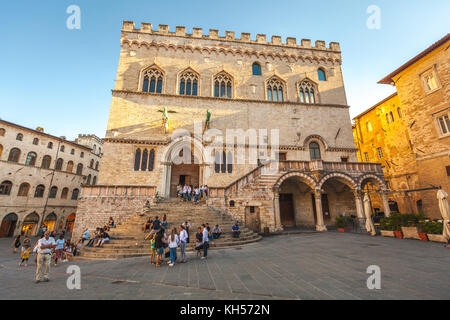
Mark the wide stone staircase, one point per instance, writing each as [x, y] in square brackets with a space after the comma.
[127, 239]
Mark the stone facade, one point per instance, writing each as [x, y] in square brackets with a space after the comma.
[424, 93]
[169, 81]
[381, 135]
[21, 204]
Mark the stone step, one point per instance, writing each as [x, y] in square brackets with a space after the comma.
[100, 255]
[127, 240]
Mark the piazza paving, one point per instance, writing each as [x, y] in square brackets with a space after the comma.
[301, 266]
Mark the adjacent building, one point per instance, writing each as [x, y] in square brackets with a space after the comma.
[381, 135]
[41, 177]
[409, 132]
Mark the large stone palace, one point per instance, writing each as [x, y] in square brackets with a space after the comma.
[177, 94]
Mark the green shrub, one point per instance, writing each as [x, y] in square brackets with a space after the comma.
[431, 227]
[342, 222]
[398, 220]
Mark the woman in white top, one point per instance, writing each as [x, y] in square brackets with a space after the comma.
[174, 241]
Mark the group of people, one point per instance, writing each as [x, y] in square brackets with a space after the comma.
[161, 238]
[47, 249]
[190, 193]
[100, 236]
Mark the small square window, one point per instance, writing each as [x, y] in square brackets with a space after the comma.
[344, 159]
[430, 80]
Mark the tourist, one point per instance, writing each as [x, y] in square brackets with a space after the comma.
[187, 227]
[146, 208]
[44, 250]
[185, 192]
[205, 241]
[25, 250]
[85, 236]
[199, 240]
[159, 246]
[104, 237]
[152, 249]
[111, 223]
[146, 227]
[59, 248]
[210, 235]
[183, 242]
[156, 225]
[236, 231]
[174, 241]
[206, 190]
[179, 192]
[164, 222]
[16, 243]
[217, 232]
[196, 195]
[69, 251]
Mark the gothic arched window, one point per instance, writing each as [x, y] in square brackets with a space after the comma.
[144, 160]
[80, 169]
[46, 161]
[75, 193]
[14, 155]
[151, 160]
[69, 166]
[217, 162]
[153, 80]
[223, 85]
[137, 160]
[230, 163]
[314, 151]
[31, 159]
[275, 90]
[39, 193]
[23, 190]
[5, 188]
[64, 193]
[307, 92]
[189, 83]
[19, 137]
[59, 164]
[53, 192]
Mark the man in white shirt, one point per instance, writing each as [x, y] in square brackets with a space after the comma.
[205, 241]
[183, 240]
[44, 249]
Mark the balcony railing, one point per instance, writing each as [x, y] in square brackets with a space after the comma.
[303, 166]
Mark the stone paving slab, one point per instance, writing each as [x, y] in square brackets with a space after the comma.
[301, 267]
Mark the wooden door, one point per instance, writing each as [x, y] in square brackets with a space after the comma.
[326, 209]
[252, 219]
[287, 214]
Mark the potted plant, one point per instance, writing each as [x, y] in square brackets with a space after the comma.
[341, 224]
[396, 223]
[386, 228]
[434, 230]
[409, 224]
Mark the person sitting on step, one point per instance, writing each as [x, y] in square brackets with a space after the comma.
[217, 232]
[236, 231]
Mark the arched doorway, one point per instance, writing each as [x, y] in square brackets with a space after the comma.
[338, 199]
[183, 164]
[296, 208]
[70, 222]
[29, 226]
[50, 221]
[375, 187]
[8, 225]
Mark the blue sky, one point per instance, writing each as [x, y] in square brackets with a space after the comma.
[61, 79]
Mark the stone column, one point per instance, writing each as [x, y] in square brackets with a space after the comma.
[385, 199]
[167, 171]
[360, 210]
[320, 226]
[276, 206]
